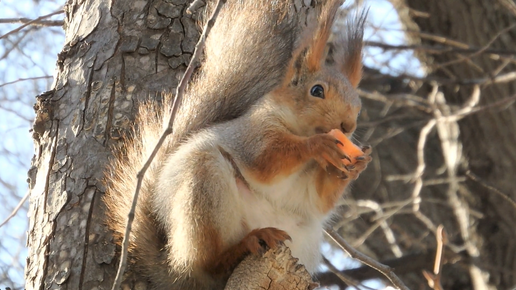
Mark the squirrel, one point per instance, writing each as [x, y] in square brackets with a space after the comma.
[262, 172]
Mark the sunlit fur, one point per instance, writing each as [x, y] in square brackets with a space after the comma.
[262, 169]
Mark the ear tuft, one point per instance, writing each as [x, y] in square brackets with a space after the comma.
[316, 52]
[346, 51]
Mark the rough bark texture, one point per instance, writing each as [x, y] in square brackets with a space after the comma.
[275, 270]
[116, 54]
[481, 225]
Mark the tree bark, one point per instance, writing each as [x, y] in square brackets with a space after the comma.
[275, 270]
[116, 54]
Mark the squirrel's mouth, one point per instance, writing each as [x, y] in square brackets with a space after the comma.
[323, 130]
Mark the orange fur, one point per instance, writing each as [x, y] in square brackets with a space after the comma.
[354, 72]
[316, 51]
[285, 154]
[330, 188]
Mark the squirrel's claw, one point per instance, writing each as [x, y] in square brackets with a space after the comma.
[366, 149]
[323, 148]
[345, 156]
[342, 175]
[259, 240]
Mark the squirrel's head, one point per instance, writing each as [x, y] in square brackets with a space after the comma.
[321, 79]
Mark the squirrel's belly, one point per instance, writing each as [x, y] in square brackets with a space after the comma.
[264, 209]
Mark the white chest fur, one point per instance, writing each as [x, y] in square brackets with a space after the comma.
[288, 205]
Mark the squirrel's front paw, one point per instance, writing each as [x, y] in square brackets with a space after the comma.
[354, 170]
[323, 148]
[258, 240]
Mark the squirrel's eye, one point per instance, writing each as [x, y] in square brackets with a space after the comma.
[317, 91]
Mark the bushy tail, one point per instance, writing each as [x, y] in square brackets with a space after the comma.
[245, 57]
[147, 239]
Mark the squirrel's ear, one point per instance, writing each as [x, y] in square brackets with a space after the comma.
[346, 50]
[310, 56]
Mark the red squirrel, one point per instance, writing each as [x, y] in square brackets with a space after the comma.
[270, 175]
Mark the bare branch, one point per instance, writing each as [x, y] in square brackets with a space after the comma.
[442, 49]
[25, 79]
[410, 263]
[477, 179]
[434, 280]
[346, 281]
[16, 209]
[382, 222]
[31, 22]
[385, 270]
[481, 50]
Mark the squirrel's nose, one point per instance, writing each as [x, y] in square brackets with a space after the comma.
[348, 126]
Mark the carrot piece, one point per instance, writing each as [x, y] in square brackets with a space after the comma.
[352, 150]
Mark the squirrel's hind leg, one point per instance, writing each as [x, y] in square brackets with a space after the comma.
[197, 203]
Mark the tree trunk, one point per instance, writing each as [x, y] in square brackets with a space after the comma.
[116, 54]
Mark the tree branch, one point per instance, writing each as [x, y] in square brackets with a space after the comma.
[263, 272]
[384, 269]
[31, 23]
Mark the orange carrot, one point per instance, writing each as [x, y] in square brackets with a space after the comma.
[352, 150]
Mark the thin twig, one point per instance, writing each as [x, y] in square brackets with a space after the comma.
[31, 22]
[15, 210]
[389, 235]
[179, 95]
[406, 100]
[481, 50]
[441, 39]
[385, 270]
[348, 281]
[421, 165]
[477, 179]
[26, 79]
[440, 49]
[434, 279]
[441, 241]
[196, 4]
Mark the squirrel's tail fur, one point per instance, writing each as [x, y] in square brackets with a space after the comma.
[245, 56]
[147, 239]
